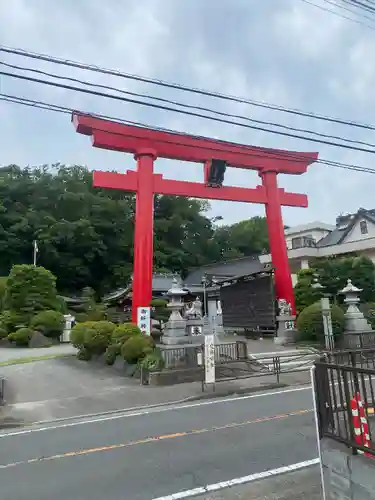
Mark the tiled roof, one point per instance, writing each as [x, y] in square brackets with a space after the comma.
[243, 266]
[160, 283]
[163, 282]
[332, 238]
[338, 235]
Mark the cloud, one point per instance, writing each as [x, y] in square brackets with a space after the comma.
[289, 53]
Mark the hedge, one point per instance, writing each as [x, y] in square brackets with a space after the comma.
[310, 322]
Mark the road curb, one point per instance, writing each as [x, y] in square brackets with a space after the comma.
[237, 392]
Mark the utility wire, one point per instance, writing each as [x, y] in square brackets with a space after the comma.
[184, 112]
[339, 14]
[184, 105]
[176, 86]
[362, 6]
[269, 153]
[355, 12]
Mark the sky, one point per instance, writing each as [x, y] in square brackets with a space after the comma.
[284, 52]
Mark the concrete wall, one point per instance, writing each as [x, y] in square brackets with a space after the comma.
[346, 476]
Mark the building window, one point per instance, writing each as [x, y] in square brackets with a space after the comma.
[303, 242]
[296, 242]
[363, 226]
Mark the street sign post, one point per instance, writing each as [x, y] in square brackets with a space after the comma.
[209, 359]
[144, 320]
[327, 323]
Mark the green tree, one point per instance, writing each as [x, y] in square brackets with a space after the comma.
[334, 273]
[304, 292]
[182, 234]
[3, 284]
[30, 289]
[84, 235]
[244, 238]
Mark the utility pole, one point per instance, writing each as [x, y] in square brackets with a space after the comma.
[35, 251]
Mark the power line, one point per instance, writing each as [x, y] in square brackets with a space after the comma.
[270, 154]
[184, 112]
[176, 86]
[188, 106]
[339, 14]
[355, 12]
[361, 5]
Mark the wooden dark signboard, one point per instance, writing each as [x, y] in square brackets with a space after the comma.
[249, 304]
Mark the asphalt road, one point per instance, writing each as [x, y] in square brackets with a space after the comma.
[159, 452]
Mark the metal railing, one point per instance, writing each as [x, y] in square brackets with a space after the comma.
[2, 391]
[357, 340]
[361, 358]
[337, 386]
[192, 356]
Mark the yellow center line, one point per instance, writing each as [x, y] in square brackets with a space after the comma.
[153, 439]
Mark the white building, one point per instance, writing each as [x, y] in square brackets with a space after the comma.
[353, 233]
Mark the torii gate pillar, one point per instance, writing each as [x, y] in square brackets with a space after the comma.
[279, 252]
[148, 144]
[143, 231]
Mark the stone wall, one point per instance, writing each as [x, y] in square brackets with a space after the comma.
[346, 476]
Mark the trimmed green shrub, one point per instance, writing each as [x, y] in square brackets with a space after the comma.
[11, 321]
[92, 336]
[123, 332]
[159, 313]
[310, 323]
[111, 353]
[153, 361]
[136, 348]
[77, 334]
[3, 333]
[30, 289]
[90, 310]
[21, 337]
[50, 323]
[84, 354]
[3, 287]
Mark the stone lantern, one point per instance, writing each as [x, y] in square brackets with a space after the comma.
[354, 319]
[175, 329]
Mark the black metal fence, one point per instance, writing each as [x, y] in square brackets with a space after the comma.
[2, 391]
[336, 386]
[362, 358]
[192, 356]
[356, 340]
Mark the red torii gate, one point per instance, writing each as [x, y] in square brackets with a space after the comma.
[148, 144]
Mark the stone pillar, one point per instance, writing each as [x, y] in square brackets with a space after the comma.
[65, 337]
[354, 319]
[175, 329]
[194, 319]
[219, 316]
[286, 332]
[305, 264]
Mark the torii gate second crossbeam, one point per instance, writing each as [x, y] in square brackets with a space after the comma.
[148, 144]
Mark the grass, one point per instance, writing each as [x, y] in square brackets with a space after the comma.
[31, 359]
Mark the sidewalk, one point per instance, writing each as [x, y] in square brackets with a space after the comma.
[305, 484]
[10, 352]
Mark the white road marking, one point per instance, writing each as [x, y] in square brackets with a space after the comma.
[31, 430]
[240, 480]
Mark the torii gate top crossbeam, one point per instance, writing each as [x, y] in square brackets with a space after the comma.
[131, 139]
